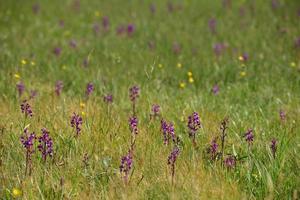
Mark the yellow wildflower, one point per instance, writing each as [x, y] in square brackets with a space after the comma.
[242, 73]
[17, 76]
[83, 113]
[191, 80]
[16, 192]
[182, 85]
[293, 64]
[182, 118]
[97, 13]
[32, 63]
[190, 74]
[241, 58]
[82, 105]
[179, 65]
[160, 65]
[23, 62]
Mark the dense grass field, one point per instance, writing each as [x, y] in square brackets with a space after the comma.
[233, 64]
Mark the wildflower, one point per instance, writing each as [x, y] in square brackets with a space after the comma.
[212, 25]
[26, 109]
[105, 23]
[126, 165]
[172, 159]
[27, 139]
[190, 74]
[134, 93]
[120, 29]
[165, 128]
[58, 87]
[57, 51]
[155, 110]
[191, 80]
[215, 89]
[96, 28]
[16, 192]
[160, 65]
[89, 89]
[17, 76]
[45, 144]
[83, 113]
[76, 122]
[213, 148]
[23, 62]
[244, 57]
[20, 88]
[182, 85]
[179, 65]
[282, 115]
[243, 73]
[73, 44]
[293, 64]
[168, 131]
[218, 48]
[108, 98]
[223, 128]
[97, 13]
[230, 161]
[133, 123]
[82, 105]
[33, 94]
[273, 147]
[249, 137]
[32, 63]
[130, 29]
[193, 125]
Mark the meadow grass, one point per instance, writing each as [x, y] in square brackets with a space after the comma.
[251, 94]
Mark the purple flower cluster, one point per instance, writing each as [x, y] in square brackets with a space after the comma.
[57, 51]
[155, 111]
[168, 131]
[212, 25]
[273, 146]
[133, 123]
[108, 98]
[105, 23]
[130, 29]
[219, 48]
[26, 109]
[20, 88]
[27, 139]
[45, 144]
[282, 115]
[58, 87]
[193, 124]
[134, 93]
[89, 88]
[33, 94]
[249, 136]
[215, 89]
[213, 150]
[76, 122]
[173, 156]
[126, 165]
[230, 161]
